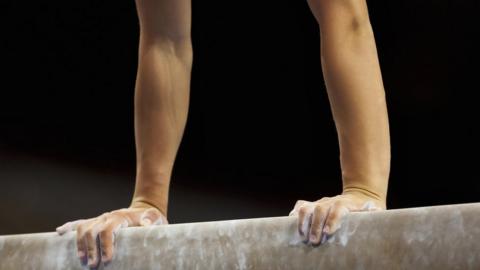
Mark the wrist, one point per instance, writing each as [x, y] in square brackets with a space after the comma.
[366, 193]
[143, 203]
[151, 190]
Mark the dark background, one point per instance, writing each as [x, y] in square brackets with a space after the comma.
[260, 133]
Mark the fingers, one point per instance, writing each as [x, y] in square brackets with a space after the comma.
[81, 244]
[298, 204]
[107, 238]
[96, 237]
[69, 226]
[320, 213]
[304, 221]
[334, 218]
[88, 248]
[320, 219]
[93, 251]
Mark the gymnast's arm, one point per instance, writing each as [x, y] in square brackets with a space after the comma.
[357, 98]
[161, 108]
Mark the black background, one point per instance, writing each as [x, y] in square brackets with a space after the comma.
[260, 133]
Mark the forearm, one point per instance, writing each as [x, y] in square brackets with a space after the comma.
[358, 104]
[161, 107]
[357, 97]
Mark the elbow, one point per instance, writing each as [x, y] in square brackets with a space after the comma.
[342, 16]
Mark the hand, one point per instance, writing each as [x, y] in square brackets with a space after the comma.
[104, 228]
[320, 219]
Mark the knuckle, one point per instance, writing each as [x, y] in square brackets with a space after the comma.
[324, 199]
[302, 211]
[105, 236]
[334, 214]
[92, 251]
[104, 217]
[80, 234]
[337, 204]
[105, 245]
[319, 209]
[81, 228]
[317, 227]
[89, 234]
[300, 202]
[80, 240]
[103, 232]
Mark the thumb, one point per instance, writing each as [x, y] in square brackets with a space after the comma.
[152, 216]
[370, 206]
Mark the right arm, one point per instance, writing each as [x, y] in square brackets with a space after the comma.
[161, 108]
[161, 95]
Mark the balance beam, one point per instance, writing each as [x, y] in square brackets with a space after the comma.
[439, 237]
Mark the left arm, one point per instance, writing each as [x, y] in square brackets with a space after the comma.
[357, 98]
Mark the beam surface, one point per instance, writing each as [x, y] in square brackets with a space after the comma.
[439, 237]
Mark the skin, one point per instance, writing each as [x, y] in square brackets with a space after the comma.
[161, 108]
[355, 89]
[357, 98]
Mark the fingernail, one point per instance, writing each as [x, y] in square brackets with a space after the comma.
[105, 261]
[304, 229]
[91, 262]
[326, 230]
[324, 239]
[300, 231]
[313, 238]
[83, 260]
